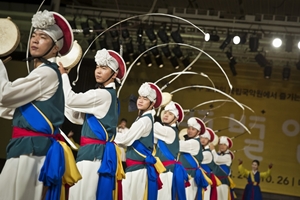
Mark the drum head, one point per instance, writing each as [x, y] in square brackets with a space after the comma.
[182, 133]
[71, 59]
[166, 98]
[215, 141]
[9, 36]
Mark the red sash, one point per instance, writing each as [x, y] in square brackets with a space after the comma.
[85, 141]
[20, 132]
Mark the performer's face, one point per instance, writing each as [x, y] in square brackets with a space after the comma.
[192, 132]
[223, 147]
[204, 141]
[40, 43]
[143, 103]
[168, 117]
[254, 166]
[102, 73]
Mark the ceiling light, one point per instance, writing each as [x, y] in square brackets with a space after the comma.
[277, 42]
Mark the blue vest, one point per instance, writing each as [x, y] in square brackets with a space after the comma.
[146, 141]
[53, 109]
[109, 122]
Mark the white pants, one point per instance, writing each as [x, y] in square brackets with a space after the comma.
[86, 188]
[134, 185]
[19, 178]
[207, 193]
[191, 191]
[166, 192]
[222, 191]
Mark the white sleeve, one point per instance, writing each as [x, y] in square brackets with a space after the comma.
[164, 133]
[39, 85]
[221, 159]
[94, 101]
[138, 129]
[74, 116]
[189, 146]
[207, 157]
[7, 113]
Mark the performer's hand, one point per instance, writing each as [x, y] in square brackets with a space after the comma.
[211, 146]
[61, 68]
[270, 165]
[240, 161]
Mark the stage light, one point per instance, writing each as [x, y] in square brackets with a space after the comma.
[139, 35]
[129, 47]
[289, 43]
[125, 33]
[206, 37]
[261, 60]
[155, 51]
[102, 42]
[232, 68]
[253, 43]
[299, 45]
[116, 45]
[176, 36]
[230, 57]
[226, 42]
[85, 28]
[159, 61]
[114, 33]
[147, 59]
[236, 39]
[267, 72]
[174, 62]
[186, 61]
[163, 36]
[277, 42]
[134, 56]
[286, 72]
[93, 46]
[126, 58]
[166, 51]
[177, 51]
[151, 35]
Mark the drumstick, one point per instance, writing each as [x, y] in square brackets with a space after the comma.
[7, 59]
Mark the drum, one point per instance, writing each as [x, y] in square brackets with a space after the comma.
[9, 36]
[182, 133]
[166, 98]
[215, 141]
[71, 59]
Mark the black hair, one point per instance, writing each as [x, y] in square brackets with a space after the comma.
[256, 161]
[123, 120]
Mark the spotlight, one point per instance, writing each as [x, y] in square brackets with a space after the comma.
[289, 43]
[139, 35]
[186, 61]
[159, 61]
[166, 51]
[125, 33]
[211, 37]
[147, 59]
[177, 51]
[85, 28]
[142, 47]
[230, 57]
[151, 35]
[116, 45]
[298, 45]
[97, 26]
[129, 47]
[236, 39]
[134, 56]
[267, 72]
[232, 68]
[277, 42]
[286, 72]
[174, 62]
[226, 42]
[93, 46]
[253, 43]
[126, 58]
[163, 36]
[176, 36]
[261, 60]
[155, 52]
[102, 42]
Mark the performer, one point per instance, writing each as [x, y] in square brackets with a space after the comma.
[166, 137]
[141, 177]
[35, 104]
[97, 109]
[122, 128]
[191, 157]
[216, 174]
[224, 159]
[252, 189]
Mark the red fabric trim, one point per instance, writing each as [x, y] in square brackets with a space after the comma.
[85, 141]
[20, 132]
[213, 193]
[169, 162]
[120, 190]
